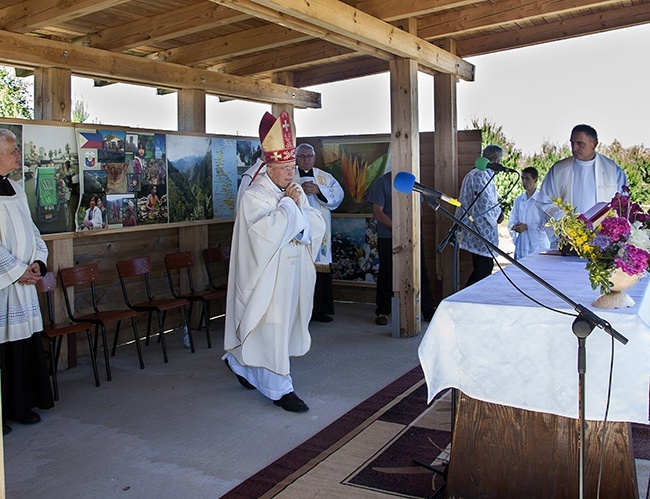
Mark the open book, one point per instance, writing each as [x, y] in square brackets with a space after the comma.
[596, 213]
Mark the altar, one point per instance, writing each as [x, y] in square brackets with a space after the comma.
[514, 363]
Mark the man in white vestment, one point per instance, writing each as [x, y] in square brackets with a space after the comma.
[325, 194]
[25, 378]
[276, 238]
[527, 221]
[583, 179]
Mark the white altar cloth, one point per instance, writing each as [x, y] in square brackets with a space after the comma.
[497, 346]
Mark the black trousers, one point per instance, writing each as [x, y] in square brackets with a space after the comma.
[25, 378]
[323, 295]
[482, 268]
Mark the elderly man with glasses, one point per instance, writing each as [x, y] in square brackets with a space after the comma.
[325, 194]
[276, 238]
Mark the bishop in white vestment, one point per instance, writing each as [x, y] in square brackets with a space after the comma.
[272, 274]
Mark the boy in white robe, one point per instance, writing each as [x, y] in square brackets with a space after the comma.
[527, 221]
[271, 278]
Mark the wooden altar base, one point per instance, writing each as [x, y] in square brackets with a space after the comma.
[504, 452]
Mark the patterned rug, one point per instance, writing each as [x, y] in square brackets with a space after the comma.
[387, 446]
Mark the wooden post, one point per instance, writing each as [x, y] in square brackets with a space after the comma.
[405, 156]
[61, 255]
[191, 111]
[283, 78]
[445, 171]
[52, 94]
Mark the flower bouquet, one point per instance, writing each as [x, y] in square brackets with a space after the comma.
[618, 247]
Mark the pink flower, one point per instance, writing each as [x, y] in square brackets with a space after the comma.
[633, 261]
[615, 228]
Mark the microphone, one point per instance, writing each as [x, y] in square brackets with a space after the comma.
[483, 164]
[405, 182]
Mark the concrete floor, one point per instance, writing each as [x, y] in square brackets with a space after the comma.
[187, 428]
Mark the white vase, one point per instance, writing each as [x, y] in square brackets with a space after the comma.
[618, 298]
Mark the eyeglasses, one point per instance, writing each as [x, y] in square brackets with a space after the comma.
[305, 156]
[283, 169]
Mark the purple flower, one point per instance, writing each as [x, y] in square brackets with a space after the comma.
[633, 261]
[615, 228]
[601, 242]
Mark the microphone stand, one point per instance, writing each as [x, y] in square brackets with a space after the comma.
[452, 237]
[582, 326]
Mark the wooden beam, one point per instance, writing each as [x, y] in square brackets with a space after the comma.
[343, 70]
[276, 17]
[355, 29]
[233, 45]
[496, 14]
[558, 30]
[37, 52]
[286, 59]
[30, 15]
[173, 24]
[390, 10]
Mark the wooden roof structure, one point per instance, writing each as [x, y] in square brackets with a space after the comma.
[270, 50]
[233, 48]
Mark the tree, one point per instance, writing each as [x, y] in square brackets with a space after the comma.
[508, 187]
[15, 96]
[635, 161]
[80, 111]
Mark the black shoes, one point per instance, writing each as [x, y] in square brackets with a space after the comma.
[381, 320]
[292, 403]
[31, 418]
[242, 381]
[322, 318]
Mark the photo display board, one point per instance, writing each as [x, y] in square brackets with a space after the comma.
[83, 178]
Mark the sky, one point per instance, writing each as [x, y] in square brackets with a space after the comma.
[535, 94]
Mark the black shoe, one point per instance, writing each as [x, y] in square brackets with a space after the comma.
[31, 418]
[381, 320]
[242, 381]
[322, 318]
[6, 428]
[292, 403]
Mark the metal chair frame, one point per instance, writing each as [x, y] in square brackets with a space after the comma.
[184, 261]
[56, 331]
[85, 275]
[141, 266]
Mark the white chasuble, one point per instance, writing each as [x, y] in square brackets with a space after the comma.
[271, 278]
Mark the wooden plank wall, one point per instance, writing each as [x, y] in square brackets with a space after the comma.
[469, 148]
[107, 247]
